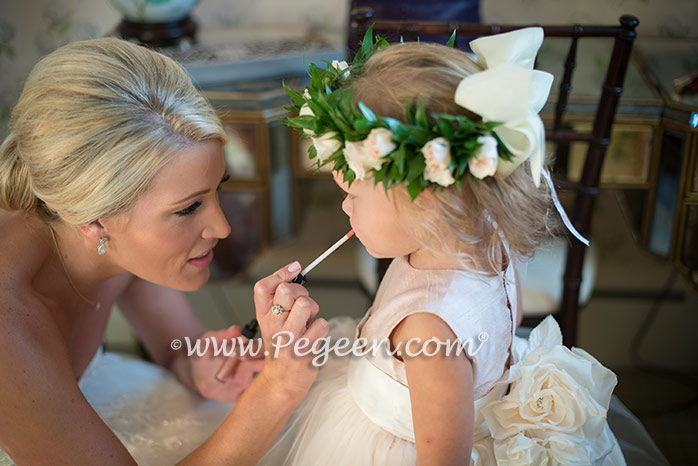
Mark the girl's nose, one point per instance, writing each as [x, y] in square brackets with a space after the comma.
[346, 205]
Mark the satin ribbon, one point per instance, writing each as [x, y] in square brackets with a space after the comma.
[511, 92]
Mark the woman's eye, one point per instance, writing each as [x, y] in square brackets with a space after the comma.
[189, 210]
[225, 178]
[348, 196]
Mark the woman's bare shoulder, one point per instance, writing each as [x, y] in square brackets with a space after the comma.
[22, 252]
[24, 245]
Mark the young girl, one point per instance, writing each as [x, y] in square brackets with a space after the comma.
[442, 188]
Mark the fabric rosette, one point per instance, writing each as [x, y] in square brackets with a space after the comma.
[554, 411]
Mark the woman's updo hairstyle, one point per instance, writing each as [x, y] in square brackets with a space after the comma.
[95, 122]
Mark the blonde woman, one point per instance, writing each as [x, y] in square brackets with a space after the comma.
[108, 185]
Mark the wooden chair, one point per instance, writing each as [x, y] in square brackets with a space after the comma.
[598, 139]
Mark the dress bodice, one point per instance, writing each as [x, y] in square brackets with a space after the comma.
[480, 310]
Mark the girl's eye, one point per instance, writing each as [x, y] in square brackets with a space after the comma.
[189, 210]
[348, 196]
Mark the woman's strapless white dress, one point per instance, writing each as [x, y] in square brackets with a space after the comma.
[158, 419]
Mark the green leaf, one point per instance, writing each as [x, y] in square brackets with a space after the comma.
[399, 157]
[414, 188]
[296, 97]
[367, 43]
[446, 128]
[349, 176]
[394, 171]
[452, 40]
[368, 114]
[415, 167]
[312, 152]
[462, 166]
[393, 124]
[409, 114]
[421, 117]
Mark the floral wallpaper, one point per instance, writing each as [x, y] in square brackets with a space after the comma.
[31, 29]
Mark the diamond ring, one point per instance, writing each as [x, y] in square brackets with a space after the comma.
[277, 310]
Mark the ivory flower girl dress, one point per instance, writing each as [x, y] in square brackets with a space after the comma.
[358, 411]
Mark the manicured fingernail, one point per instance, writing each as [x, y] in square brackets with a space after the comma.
[295, 267]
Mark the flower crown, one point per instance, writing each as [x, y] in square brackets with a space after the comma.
[437, 149]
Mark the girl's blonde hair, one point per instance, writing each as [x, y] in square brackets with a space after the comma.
[95, 122]
[482, 211]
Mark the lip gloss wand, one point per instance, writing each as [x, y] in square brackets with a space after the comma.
[250, 329]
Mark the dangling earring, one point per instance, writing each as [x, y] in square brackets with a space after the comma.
[102, 248]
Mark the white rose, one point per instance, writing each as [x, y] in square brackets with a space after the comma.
[306, 111]
[354, 155]
[379, 143]
[326, 145]
[519, 451]
[341, 65]
[486, 157]
[437, 155]
[362, 156]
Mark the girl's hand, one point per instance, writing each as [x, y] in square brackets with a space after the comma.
[287, 335]
[204, 368]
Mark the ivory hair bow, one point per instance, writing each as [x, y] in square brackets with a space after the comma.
[511, 92]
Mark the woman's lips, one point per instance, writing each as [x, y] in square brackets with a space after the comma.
[203, 260]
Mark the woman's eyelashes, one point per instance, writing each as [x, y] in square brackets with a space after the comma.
[189, 210]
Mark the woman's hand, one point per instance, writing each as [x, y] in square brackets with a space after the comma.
[284, 368]
[205, 367]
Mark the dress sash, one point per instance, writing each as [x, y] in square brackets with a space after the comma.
[385, 401]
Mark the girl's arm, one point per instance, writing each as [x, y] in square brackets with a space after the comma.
[441, 391]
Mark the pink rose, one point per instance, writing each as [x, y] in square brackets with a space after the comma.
[486, 157]
[437, 154]
[363, 156]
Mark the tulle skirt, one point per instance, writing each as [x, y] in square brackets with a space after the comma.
[330, 428]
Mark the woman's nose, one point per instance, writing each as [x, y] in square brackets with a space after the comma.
[217, 225]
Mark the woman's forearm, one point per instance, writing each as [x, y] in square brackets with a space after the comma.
[250, 428]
